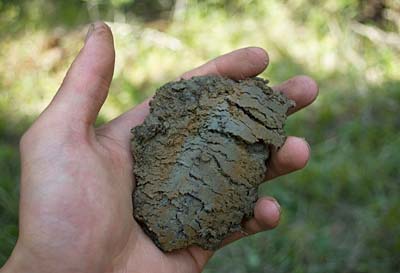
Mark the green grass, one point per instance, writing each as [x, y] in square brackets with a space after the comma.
[9, 168]
[340, 214]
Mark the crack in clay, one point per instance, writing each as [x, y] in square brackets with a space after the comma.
[200, 156]
[221, 169]
[248, 113]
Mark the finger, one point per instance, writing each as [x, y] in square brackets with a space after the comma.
[292, 156]
[302, 89]
[239, 64]
[86, 84]
[267, 213]
[266, 216]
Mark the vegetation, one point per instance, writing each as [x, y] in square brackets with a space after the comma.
[341, 214]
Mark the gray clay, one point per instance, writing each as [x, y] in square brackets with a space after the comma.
[200, 156]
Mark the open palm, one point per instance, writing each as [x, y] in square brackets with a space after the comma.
[76, 183]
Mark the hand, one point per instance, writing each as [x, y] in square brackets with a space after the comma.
[76, 181]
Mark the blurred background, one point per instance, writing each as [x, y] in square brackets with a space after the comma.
[340, 214]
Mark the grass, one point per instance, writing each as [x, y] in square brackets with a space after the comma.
[340, 214]
[9, 166]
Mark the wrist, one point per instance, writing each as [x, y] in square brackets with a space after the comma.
[21, 261]
[14, 264]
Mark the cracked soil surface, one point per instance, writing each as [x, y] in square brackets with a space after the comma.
[200, 156]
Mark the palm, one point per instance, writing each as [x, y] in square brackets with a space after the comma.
[96, 202]
[149, 258]
[76, 181]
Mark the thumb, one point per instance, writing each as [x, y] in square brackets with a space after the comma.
[86, 84]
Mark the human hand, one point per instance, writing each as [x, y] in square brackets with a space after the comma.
[76, 210]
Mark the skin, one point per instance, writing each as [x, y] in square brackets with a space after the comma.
[76, 180]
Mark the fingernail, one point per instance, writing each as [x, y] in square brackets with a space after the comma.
[90, 31]
[276, 204]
